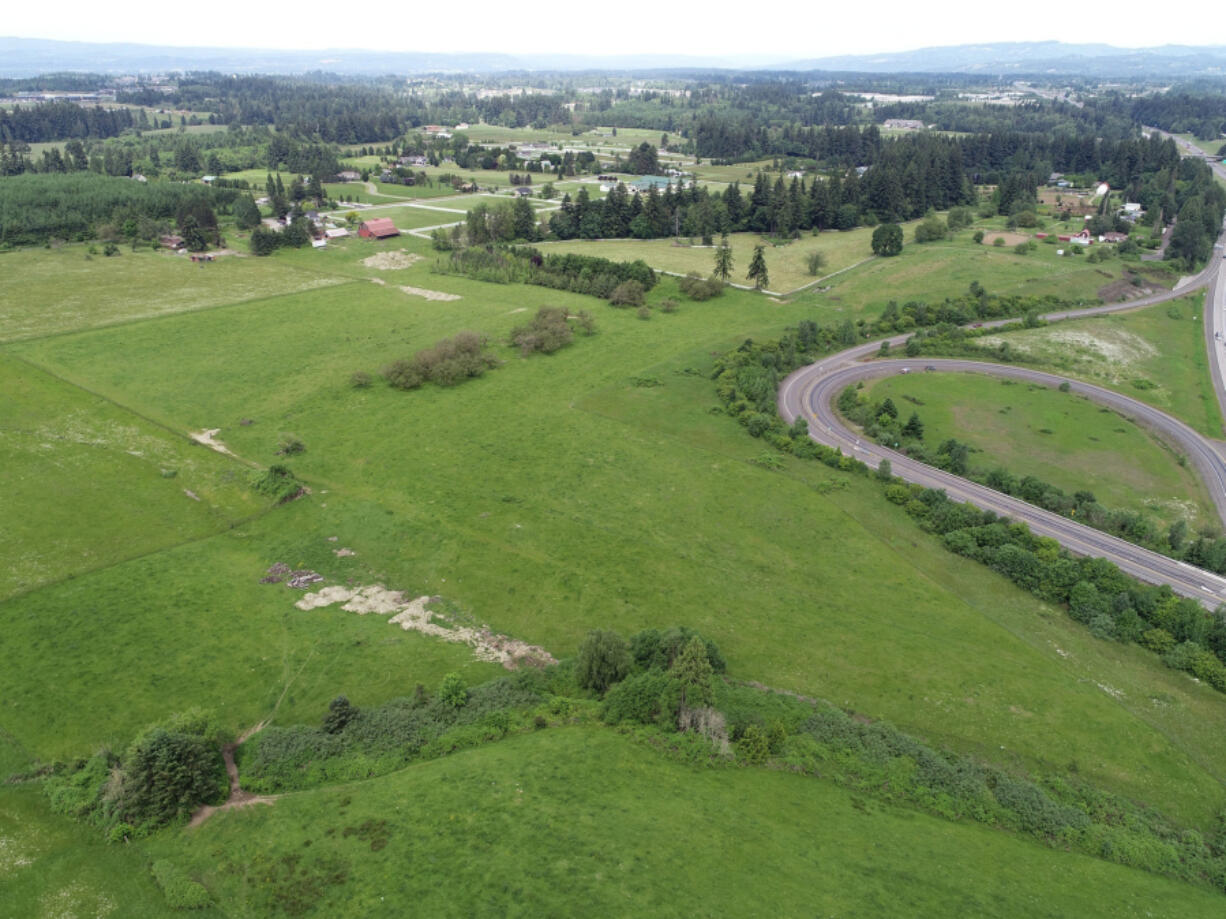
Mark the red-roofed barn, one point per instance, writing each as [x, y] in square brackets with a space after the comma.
[378, 228]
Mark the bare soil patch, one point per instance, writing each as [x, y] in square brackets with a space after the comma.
[429, 294]
[415, 615]
[391, 261]
[1123, 289]
[209, 439]
[237, 797]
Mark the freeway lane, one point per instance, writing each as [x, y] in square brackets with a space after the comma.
[812, 394]
[810, 391]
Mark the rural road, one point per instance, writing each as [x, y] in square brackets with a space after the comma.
[810, 391]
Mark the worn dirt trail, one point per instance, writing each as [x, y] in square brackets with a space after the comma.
[237, 797]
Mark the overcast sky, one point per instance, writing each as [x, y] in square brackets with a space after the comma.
[786, 29]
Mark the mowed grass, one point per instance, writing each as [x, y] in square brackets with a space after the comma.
[787, 265]
[1155, 354]
[87, 484]
[550, 497]
[539, 824]
[1061, 438]
[933, 271]
[51, 291]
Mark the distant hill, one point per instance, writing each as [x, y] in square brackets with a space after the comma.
[23, 57]
[1094, 60]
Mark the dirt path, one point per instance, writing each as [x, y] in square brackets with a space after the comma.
[237, 797]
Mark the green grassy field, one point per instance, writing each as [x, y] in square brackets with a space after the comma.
[1156, 354]
[123, 487]
[933, 271]
[787, 264]
[1062, 438]
[52, 291]
[538, 824]
[533, 472]
[591, 488]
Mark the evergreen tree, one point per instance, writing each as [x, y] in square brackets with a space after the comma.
[723, 260]
[757, 268]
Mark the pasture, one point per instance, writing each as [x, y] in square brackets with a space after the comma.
[551, 496]
[597, 487]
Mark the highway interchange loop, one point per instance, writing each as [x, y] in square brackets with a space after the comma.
[811, 391]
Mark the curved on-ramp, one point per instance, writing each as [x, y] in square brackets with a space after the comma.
[811, 391]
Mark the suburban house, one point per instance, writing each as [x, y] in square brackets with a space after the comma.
[1081, 239]
[1132, 207]
[172, 242]
[414, 161]
[523, 191]
[1102, 188]
[377, 228]
[1113, 237]
[348, 175]
[904, 124]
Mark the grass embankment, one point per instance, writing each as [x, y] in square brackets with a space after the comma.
[1155, 354]
[1061, 438]
[539, 823]
[640, 509]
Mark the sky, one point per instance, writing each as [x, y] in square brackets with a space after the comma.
[785, 29]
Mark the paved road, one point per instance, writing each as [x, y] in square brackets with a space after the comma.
[811, 390]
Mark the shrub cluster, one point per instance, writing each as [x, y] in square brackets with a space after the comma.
[446, 363]
[277, 481]
[354, 743]
[550, 330]
[1095, 592]
[696, 287]
[582, 274]
[168, 771]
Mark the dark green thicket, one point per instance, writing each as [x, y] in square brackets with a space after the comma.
[35, 208]
[166, 773]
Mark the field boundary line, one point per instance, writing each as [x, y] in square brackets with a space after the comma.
[133, 320]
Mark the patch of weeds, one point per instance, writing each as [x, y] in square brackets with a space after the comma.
[1046, 431]
[278, 482]
[771, 461]
[645, 382]
[181, 892]
[296, 887]
[376, 832]
[1143, 384]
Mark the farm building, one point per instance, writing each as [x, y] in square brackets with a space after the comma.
[172, 242]
[336, 232]
[378, 228]
[1081, 239]
[646, 183]
[904, 124]
[348, 175]
[1113, 237]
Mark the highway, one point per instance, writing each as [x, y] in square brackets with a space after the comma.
[811, 391]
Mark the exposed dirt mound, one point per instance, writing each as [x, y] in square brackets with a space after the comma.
[414, 615]
[1123, 289]
[391, 261]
